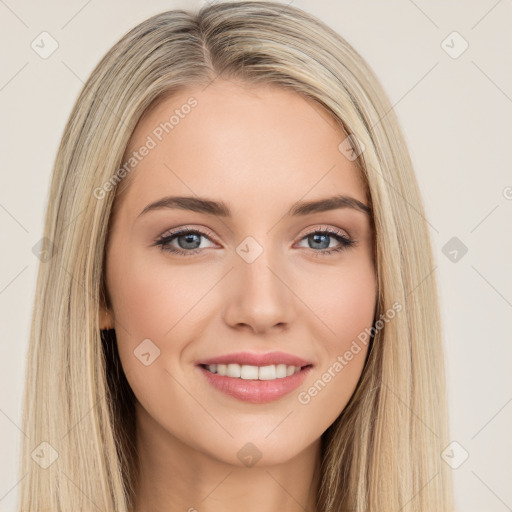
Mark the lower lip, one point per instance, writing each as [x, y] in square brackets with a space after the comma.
[256, 391]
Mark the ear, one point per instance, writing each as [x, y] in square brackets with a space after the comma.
[106, 318]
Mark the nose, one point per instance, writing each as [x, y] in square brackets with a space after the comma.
[259, 297]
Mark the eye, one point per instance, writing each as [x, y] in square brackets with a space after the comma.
[320, 240]
[189, 241]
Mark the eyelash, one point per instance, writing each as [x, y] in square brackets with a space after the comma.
[165, 240]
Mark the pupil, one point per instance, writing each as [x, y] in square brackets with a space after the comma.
[189, 239]
[315, 237]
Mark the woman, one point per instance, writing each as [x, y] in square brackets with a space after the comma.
[236, 311]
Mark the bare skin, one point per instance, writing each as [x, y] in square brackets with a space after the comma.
[259, 150]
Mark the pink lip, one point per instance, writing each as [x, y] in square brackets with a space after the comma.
[252, 359]
[256, 391]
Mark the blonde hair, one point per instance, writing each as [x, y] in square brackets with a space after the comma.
[383, 452]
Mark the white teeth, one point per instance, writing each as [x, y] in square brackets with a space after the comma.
[249, 372]
[267, 372]
[281, 371]
[233, 370]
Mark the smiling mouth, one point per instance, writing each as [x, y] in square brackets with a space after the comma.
[243, 382]
[250, 372]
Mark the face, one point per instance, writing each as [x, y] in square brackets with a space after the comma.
[188, 283]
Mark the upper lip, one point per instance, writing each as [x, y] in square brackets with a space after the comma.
[250, 358]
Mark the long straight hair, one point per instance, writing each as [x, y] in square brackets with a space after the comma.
[383, 451]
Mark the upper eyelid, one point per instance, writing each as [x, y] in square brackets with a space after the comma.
[324, 227]
[173, 232]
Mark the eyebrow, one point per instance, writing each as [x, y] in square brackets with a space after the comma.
[219, 208]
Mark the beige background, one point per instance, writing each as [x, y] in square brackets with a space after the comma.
[456, 115]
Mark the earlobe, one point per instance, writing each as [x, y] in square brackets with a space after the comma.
[106, 320]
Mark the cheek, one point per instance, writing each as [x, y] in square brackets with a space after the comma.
[353, 306]
[343, 299]
[152, 300]
[150, 304]
[149, 298]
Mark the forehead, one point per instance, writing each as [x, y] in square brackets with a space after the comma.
[247, 145]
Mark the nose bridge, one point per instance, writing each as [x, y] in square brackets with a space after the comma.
[259, 295]
[258, 275]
